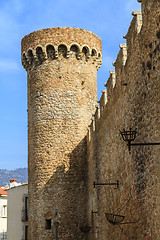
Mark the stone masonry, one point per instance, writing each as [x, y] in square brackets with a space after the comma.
[62, 68]
[64, 159]
[131, 100]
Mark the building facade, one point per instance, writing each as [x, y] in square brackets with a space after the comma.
[3, 213]
[101, 189]
[17, 216]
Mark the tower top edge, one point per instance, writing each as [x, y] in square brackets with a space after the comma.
[61, 29]
[56, 35]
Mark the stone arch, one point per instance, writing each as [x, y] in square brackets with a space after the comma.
[99, 55]
[50, 50]
[24, 59]
[66, 45]
[24, 56]
[75, 49]
[94, 52]
[62, 50]
[40, 54]
[85, 50]
[30, 55]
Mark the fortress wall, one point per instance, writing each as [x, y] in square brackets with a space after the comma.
[133, 101]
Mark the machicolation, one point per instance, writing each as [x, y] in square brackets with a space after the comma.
[38, 54]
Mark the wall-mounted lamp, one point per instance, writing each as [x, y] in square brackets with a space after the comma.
[130, 136]
[116, 219]
[103, 184]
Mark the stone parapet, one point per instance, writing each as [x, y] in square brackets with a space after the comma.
[133, 31]
[55, 43]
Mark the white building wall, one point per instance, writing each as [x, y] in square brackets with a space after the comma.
[15, 225]
[3, 217]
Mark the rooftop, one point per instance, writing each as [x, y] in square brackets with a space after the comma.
[2, 191]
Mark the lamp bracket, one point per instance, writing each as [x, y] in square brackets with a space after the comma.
[106, 184]
[129, 137]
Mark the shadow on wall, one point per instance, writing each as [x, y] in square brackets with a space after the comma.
[66, 191]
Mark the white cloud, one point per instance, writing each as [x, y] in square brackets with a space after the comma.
[8, 65]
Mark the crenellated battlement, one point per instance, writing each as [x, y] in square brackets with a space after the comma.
[97, 115]
[103, 101]
[59, 43]
[116, 78]
[134, 30]
[129, 59]
[37, 56]
[111, 82]
[126, 48]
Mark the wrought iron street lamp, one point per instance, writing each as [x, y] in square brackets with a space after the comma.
[116, 219]
[130, 136]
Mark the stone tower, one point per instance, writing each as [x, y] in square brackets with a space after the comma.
[62, 66]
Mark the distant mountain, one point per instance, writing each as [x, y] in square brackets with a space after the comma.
[21, 174]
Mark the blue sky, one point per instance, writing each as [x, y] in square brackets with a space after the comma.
[108, 19]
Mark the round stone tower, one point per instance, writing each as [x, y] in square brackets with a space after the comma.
[62, 66]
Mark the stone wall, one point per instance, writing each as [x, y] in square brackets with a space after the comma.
[64, 163]
[62, 68]
[131, 100]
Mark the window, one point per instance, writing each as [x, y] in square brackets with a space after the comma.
[4, 211]
[26, 208]
[4, 236]
[48, 223]
[26, 232]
